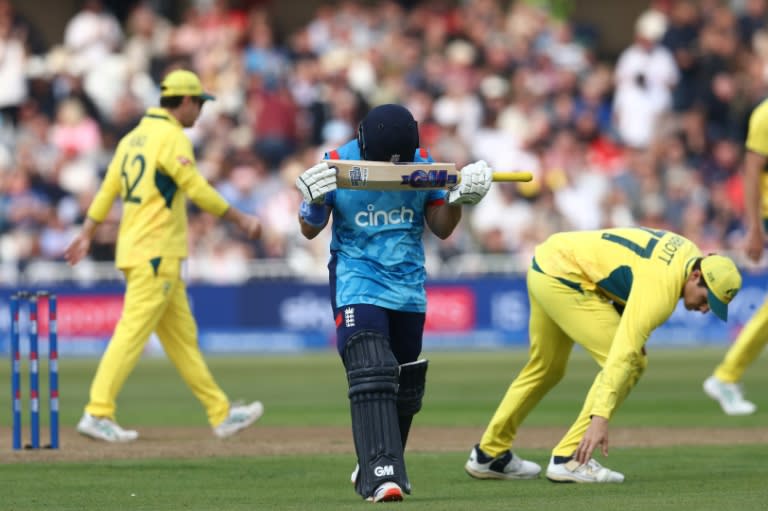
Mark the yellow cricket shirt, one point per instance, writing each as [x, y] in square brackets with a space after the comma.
[152, 170]
[642, 269]
[757, 141]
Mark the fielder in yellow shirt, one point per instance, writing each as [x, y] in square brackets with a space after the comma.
[724, 384]
[607, 291]
[153, 171]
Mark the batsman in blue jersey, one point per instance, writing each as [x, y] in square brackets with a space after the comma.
[377, 287]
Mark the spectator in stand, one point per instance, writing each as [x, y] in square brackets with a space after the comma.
[751, 20]
[92, 34]
[13, 60]
[681, 38]
[646, 73]
[73, 131]
[148, 39]
[261, 56]
[274, 119]
[23, 29]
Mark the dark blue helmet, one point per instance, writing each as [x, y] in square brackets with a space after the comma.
[388, 133]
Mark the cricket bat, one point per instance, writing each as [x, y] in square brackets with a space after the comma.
[382, 175]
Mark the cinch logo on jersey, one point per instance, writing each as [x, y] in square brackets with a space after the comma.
[386, 470]
[421, 178]
[349, 317]
[372, 218]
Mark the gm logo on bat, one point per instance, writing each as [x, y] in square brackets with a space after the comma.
[428, 178]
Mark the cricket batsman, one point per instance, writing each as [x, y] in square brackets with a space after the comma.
[153, 172]
[606, 290]
[377, 276]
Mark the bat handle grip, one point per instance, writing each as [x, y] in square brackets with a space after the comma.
[512, 176]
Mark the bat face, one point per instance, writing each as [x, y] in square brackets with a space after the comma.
[432, 178]
[379, 175]
[374, 175]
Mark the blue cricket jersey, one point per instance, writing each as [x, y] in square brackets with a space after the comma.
[377, 255]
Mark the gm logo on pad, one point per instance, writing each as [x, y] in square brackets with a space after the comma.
[386, 470]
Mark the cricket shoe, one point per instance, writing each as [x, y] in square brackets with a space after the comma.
[574, 472]
[387, 492]
[102, 428]
[506, 465]
[240, 417]
[729, 395]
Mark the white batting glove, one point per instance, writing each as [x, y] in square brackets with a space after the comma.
[315, 182]
[475, 182]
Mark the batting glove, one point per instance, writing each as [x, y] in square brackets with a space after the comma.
[315, 182]
[475, 182]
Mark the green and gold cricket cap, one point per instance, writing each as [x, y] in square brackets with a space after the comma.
[723, 281]
[183, 83]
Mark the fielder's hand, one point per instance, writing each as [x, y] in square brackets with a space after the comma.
[251, 226]
[315, 182]
[77, 249]
[475, 182]
[754, 244]
[595, 436]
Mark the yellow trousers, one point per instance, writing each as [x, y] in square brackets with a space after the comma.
[155, 301]
[559, 316]
[747, 347]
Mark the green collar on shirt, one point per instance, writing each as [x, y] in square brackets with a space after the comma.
[161, 113]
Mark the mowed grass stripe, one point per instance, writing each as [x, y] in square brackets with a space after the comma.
[674, 479]
[463, 389]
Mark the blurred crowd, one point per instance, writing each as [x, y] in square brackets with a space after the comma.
[652, 137]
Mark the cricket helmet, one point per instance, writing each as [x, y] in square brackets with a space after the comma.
[388, 133]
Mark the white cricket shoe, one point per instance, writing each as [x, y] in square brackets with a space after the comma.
[102, 428]
[575, 472]
[504, 466]
[353, 475]
[729, 395]
[240, 417]
[387, 492]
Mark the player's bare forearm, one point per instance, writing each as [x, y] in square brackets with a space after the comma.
[79, 246]
[308, 230]
[443, 219]
[89, 227]
[313, 218]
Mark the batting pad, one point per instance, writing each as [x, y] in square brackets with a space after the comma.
[413, 378]
[372, 373]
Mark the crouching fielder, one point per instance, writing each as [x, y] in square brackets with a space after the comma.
[606, 290]
[377, 287]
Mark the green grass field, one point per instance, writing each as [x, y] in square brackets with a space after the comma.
[463, 390]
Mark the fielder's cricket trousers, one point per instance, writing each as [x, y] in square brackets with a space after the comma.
[155, 301]
[560, 315]
[748, 345]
